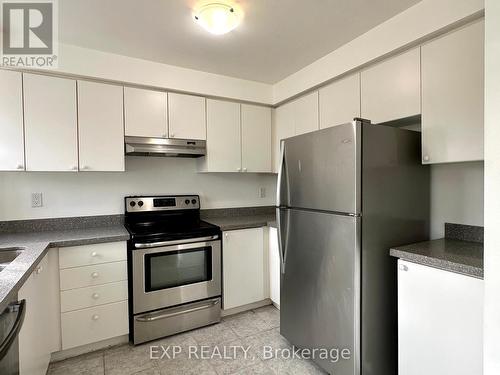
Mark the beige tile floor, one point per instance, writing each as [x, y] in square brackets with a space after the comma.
[253, 329]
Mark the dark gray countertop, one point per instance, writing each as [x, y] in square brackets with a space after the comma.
[36, 244]
[453, 255]
[242, 222]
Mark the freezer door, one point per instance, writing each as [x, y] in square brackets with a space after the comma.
[320, 285]
[322, 170]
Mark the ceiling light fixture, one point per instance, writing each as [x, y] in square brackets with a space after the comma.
[217, 18]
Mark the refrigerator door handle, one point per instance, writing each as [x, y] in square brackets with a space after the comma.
[282, 242]
[282, 175]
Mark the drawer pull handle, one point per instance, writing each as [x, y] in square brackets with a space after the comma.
[94, 254]
[95, 296]
[39, 270]
[95, 317]
[95, 275]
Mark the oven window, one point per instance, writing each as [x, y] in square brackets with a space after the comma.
[176, 268]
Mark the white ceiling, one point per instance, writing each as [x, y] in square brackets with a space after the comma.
[276, 37]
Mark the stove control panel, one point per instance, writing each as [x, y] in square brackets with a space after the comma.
[162, 203]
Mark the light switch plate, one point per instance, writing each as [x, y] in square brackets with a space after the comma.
[36, 200]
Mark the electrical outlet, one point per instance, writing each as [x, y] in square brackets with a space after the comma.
[262, 192]
[36, 200]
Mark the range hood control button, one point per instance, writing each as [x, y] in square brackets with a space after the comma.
[140, 203]
[186, 201]
[132, 204]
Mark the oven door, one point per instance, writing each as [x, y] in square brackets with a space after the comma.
[175, 274]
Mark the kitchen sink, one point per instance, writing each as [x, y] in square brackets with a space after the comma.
[8, 254]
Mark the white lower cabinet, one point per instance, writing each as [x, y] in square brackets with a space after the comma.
[245, 270]
[40, 333]
[94, 294]
[274, 267]
[81, 327]
[440, 321]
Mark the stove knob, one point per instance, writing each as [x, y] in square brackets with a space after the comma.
[140, 203]
[132, 204]
[193, 201]
[186, 201]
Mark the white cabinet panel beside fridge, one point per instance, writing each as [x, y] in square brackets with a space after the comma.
[440, 321]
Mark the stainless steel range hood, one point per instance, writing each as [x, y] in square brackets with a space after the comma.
[143, 146]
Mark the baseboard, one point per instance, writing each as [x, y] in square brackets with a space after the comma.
[276, 305]
[250, 306]
[84, 349]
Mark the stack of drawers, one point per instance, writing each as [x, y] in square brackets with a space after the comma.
[93, 283]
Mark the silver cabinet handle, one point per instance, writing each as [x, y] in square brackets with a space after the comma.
[426, 158]
[95, 275]
[39, 270]
[93, 254]
[95, 317]
[244, 169]
[85, 168]
[238, 169]
[74, 168]
[20, 166]
[95, 296]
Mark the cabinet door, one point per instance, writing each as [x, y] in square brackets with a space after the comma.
[11, 121]
[145, 113]
[223, 136]
[453, 96]
[186, 117]
[274, 267]
[243, 273]
[440, 321]
[255, 138]
[306, 113]
[390, 90]
[50, 123]
[339, 102]
[40, 334]
[100, 127]
[283, 127]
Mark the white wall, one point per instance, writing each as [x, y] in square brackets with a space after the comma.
[456, 195]
[101, 193]
[492, 190]
[96, 64]
[405, 29]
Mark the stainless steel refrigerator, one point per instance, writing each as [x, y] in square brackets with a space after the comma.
[346, 194]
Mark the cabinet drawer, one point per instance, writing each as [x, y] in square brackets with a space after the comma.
[94, 324]
[82, 298]
[76, 256]
[81, 277]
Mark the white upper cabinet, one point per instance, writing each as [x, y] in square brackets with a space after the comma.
[100, 127]
[255, 138]
[145, 113]
[50, 123]
[11, 121]
[453, 96]
[306, 113]
[223, 137]
[390, 90]
[339, 102]
[187, 116]
[283, 127]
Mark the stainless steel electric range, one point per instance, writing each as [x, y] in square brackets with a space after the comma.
[174, 266]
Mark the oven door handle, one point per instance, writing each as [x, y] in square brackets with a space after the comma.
[148, 245]
[152, 317]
